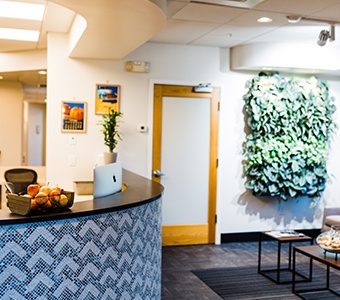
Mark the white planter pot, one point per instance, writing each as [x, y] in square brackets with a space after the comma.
[110, 157]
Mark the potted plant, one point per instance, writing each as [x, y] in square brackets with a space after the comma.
[110, 124]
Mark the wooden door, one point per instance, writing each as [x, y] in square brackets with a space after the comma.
[185, 136]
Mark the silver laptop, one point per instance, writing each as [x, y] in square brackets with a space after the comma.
[107, 179]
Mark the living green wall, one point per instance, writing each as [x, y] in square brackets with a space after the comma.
[291, 123]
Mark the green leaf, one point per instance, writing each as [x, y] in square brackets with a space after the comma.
[295, 166]
[273, 189]
[302, 181]
[292, 193]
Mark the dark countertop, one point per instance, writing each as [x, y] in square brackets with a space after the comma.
[139, 190]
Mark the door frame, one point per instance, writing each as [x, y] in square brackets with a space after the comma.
[161, 90]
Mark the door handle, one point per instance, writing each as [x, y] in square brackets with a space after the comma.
[157, 173]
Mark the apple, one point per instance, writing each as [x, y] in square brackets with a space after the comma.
[47, 205]
[54, 196]
[41, 198]
[45, 189]
[56, 187]
[34, 205]
[33, 189]
[63, 200]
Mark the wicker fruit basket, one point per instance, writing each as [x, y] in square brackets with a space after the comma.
[22, 205]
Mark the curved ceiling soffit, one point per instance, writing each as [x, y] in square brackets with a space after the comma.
[286, 57]
[113, 28]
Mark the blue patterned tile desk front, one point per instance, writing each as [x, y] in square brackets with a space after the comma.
[114, 255]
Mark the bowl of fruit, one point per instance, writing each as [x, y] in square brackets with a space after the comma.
[330, 240]
[40, 199]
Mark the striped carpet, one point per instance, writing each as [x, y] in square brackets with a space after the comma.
[246, 284]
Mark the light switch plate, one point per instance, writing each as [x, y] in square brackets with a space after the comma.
[72, 160]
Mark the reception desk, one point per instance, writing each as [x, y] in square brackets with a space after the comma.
[105, 248]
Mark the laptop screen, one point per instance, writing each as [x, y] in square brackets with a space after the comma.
[107, 179]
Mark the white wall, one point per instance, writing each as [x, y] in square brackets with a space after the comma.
[12, 95]
[76, 79]
[71, 79]
[11, 123]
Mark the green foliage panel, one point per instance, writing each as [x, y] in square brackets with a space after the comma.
[291, 122]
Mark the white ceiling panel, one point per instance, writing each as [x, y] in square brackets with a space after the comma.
[229, 36]
[174, 6]
[208, 13]
[300, 7]
[331, 13]
[250, 18]
[178, 32]
[248, 4]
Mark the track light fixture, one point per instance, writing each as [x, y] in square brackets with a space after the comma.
[324, 35]
[294, 19]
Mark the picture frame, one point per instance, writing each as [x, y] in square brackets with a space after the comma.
[107, 98]
[73, 116]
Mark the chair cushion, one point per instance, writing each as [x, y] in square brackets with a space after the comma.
[332, 220]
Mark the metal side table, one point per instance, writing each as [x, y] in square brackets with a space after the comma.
[328, 259]
[276, 274]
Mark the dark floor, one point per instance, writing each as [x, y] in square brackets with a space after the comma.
[178, 282]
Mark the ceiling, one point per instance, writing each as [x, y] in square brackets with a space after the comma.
[209, 23]
[193, 23]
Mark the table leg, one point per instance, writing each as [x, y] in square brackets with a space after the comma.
[327, 279]
[259, 258]
[278, 262]
[295, 272]
[310, 269]
[293, 280]
[290, 256]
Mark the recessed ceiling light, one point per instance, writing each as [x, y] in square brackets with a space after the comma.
[42, 72]
[19, 34]
[264, 20]
[21, 10]
[1, 77]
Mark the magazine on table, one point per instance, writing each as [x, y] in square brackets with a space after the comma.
[284, 233]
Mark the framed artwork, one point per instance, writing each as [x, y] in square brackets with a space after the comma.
[107, 98]
[73, 116]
